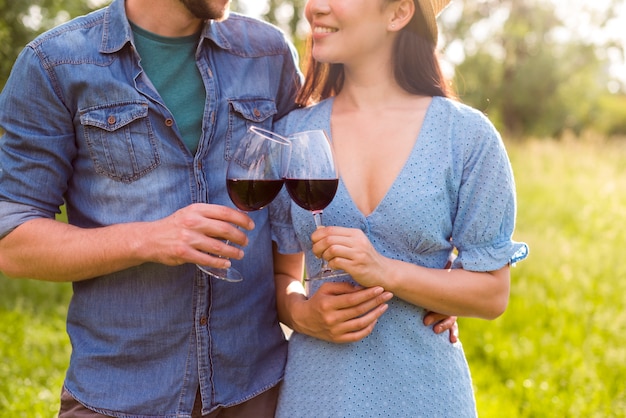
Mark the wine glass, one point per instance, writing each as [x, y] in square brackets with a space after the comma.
[254, 178]
[312, 180]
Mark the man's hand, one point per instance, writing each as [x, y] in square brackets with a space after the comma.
[443, 323]
[198, 234]
[341, 312]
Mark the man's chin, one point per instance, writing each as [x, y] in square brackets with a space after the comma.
[206, 10]
[224, 16]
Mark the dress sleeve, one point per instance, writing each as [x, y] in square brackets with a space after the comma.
[283, 232]
[486, 209]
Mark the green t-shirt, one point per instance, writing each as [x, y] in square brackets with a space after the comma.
[171, 66]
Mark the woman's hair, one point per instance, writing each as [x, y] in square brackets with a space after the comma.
[416, 69]
[322, 80]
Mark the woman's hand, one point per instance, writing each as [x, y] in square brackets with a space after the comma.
[350, 250]
[341, 312]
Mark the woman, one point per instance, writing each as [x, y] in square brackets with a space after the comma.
[422, 176]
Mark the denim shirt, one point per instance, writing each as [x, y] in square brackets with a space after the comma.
[84, 126]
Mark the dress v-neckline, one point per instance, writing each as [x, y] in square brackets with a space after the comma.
[416, 145]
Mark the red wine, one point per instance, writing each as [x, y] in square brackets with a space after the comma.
[249, 195]
[312, 194]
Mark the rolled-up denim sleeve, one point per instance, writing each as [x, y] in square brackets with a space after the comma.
[37, 146]
[13, 215]
[485, 217]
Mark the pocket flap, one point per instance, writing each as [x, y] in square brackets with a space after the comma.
[113, 116]
[256, 110]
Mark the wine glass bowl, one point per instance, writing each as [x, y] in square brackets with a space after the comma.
[254, 178]
[312, 194]
[251, 195]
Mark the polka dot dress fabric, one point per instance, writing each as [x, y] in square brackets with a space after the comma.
[456, 189]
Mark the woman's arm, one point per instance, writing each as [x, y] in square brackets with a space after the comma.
[453, 292]
[337, 312]
[450, 292]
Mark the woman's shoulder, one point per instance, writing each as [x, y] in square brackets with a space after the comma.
[316, 116]
[461, 120]
[460, 111]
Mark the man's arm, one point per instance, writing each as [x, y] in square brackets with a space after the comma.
[50, 250]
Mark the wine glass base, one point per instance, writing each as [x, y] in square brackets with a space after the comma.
[228, 275]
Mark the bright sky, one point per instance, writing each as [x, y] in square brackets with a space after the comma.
[578, 15]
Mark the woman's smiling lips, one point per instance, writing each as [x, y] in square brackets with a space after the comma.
[321, 31]
[324, 29]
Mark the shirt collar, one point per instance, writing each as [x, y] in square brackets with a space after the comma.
[117, 31]
[214, 31]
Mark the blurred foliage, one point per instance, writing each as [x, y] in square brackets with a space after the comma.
[611, 115]
[22, 20]
[34, 347]
[518, 68]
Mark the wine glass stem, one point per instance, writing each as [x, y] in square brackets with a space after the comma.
[317, 217]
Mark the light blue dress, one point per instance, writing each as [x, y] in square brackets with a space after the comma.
[456, 189]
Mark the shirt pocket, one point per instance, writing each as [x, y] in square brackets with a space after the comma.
[246, 112]
[121, 140]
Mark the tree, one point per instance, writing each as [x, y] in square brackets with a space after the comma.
[530, 80]
[23, 20]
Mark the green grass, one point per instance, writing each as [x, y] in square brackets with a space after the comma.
[33, 347]
[558, 351]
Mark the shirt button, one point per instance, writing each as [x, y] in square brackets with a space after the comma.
[111, 120]
[203, 320]
[257, 113]
[169, 122]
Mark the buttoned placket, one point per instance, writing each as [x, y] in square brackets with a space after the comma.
[203, 337]
[203, 282]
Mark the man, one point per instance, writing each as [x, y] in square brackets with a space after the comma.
[128, 116]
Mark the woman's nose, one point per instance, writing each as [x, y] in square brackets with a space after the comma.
[317, 7]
